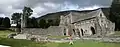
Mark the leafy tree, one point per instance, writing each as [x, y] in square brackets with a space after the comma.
[50, 22]
[6, 22]
[27, 11]
[57, 21]
[29, 23]
[32, 22]
[1, 19]
[54, 22]
[115, 13]
[16, 17]
[42, 23]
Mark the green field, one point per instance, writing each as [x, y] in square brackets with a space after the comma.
[5, 33]
[27, 43]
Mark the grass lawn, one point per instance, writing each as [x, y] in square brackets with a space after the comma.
[27, 43]
[20, 43]
[5, 33]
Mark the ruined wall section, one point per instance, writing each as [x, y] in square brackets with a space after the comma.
[53, 30]
[66, 25]
[106, 25]
[86, 27]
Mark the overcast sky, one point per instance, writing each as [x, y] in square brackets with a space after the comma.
[41, 7]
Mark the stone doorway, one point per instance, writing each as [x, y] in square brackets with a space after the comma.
[78, 32]
[93, 30]
[82, 32]
[74, 31]
[64, 32]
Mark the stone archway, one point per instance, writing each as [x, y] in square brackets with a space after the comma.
[82, 32]
[74, 32]
[78, 32]
[93, 30]
[64, 32]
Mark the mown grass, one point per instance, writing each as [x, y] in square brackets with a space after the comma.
[28, 43]
[90, 43]
[78, 43]
[20, 43]
[5, 33]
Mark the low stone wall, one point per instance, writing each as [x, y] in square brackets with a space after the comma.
[53, 31]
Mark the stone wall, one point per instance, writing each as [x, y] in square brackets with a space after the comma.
[86, 27]
[53, 30]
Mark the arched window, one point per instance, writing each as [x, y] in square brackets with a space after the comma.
[100, 15]
[93, 30]
[74, 31]
[64, 31]
[78, 32]
[82, 32]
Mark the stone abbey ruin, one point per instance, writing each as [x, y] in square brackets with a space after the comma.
[79, 24]
[86, 23]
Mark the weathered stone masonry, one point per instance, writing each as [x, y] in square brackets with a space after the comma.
[87, 23]
[79, 24]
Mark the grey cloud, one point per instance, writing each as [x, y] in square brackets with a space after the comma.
[102, 2]
[47, 6]
[81, 3]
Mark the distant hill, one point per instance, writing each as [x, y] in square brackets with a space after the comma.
[56, 16]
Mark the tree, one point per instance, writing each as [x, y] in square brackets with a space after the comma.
[1, 19]
[57, 21]
[16, 17]
[50, 22]
[27, 11]
[29, 23]
[32, 22]
[42, 23]
[115, 13]
[6, 22]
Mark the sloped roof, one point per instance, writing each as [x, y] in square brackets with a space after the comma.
[84, 15]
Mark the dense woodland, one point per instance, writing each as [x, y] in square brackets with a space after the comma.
[115, 14]
[4, 22]
[34, 22]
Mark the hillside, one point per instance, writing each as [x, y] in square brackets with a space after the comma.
[56, 16]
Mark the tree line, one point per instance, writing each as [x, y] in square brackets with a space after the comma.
[115, 14]
[33, 22]
[5, 22]
[43, 23]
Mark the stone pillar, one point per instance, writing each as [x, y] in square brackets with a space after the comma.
[22, 22]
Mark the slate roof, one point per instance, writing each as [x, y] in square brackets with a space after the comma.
[78, 16]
